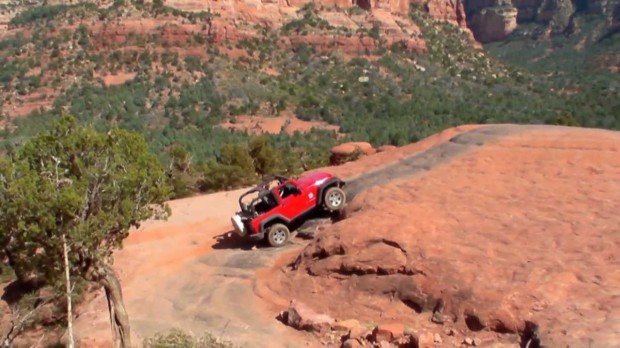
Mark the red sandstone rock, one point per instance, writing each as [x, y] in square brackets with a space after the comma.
[426, 340]
[359, 332]
[346, 325]
[303, 317]
[388, 332]
[471, 238]
[276, 13]
[350, 151]
[447, 10]
[349, 148]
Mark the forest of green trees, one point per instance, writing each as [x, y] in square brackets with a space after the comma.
[396, 99]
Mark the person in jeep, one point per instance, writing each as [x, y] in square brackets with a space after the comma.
[274, 210]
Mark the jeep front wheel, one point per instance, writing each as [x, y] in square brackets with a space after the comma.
[278, 235]
[334, 198]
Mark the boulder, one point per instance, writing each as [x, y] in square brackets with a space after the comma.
[359, 332]
[350, 152]
[426, 340]
[346, 325]
[388, 332]
[303, 317]
[348, 148]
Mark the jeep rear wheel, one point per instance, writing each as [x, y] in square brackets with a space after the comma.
[334, 198]
[278, 235]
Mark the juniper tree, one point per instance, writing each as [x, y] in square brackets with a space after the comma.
[68, 198]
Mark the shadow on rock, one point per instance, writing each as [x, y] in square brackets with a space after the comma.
[304, 228]
[231, 240]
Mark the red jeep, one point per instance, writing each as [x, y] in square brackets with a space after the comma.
[272, 210]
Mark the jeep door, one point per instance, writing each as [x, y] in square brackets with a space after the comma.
[293, 201]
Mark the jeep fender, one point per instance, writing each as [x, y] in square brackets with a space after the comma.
[269, 221]
[329, 183]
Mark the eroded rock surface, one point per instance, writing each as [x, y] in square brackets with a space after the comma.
[515, 233]
[479, 235]
[448, 10]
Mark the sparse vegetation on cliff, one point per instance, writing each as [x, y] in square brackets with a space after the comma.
[309, 19]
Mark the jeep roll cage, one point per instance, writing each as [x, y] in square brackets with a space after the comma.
[263, 191]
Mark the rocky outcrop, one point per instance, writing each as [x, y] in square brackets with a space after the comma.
[349, 152]
[556, 14]
[391, 16]
[351, 333]
[301, 317]
[494, 23]
[456, 241]
[527, 10]
[237, 20]
[273, 9]
[447, 10]
[493, 20]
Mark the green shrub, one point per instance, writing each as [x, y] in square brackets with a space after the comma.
[355, 10]
[50, 12]
[44, 12]
[6, 273]
[82, 36]
[177, 338]
[265, 158]
[193, 63]
[234, 168]
[310, 19]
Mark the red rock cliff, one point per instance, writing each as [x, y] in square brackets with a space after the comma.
[448, 10]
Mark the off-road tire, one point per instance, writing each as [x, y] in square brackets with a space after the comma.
[334, 199]
[278, 235]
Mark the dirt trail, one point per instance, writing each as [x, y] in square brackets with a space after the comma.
[429, 159]
[182, 273]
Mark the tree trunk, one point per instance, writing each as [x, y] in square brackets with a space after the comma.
[119, 320]
[68, 293]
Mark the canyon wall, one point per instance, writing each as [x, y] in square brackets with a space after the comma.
[448, 10]
[494, 20]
